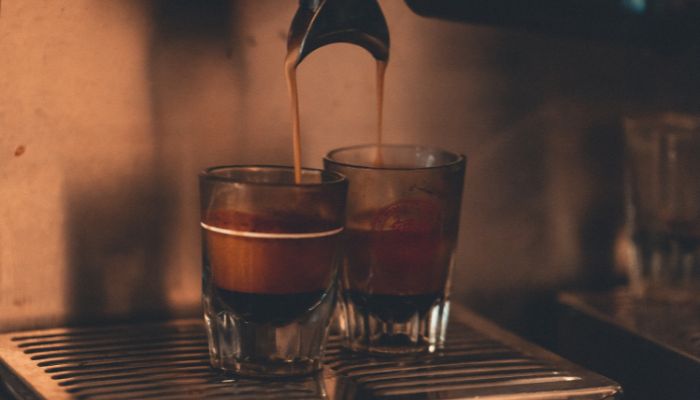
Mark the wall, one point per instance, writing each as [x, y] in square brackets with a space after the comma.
[108, 109]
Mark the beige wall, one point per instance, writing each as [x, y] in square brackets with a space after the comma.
[108, 109]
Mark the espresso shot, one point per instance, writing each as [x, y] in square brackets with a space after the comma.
[271, 251]
[269, 269]
[401, 232]
[396, 258]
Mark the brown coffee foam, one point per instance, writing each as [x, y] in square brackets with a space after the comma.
[272, 222]
[269, 265]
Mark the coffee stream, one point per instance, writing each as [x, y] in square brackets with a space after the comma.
[381, 71]
[290, 70]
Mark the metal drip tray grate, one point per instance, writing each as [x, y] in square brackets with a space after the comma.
[170, 361]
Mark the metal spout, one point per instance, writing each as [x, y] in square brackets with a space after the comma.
[321, 22]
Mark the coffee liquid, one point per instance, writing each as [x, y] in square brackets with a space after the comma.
[274, 309]
[269, 269]
[397, 260]
[381, 255]
[381, 71]
[393, 308]
[290, 71]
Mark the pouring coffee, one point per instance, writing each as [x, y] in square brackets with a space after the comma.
[321, 22]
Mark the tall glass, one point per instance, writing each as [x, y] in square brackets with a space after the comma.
[271, 251]
[401, 231]
[663, 203]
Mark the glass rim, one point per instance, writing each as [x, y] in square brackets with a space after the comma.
[459, 157]
[209, 174]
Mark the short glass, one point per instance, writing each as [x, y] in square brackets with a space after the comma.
[401, 232]
[662, 180]
[271, 250]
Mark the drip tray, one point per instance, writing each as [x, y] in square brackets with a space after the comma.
[170, 361]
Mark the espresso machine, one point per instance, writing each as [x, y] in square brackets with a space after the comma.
[108, 110]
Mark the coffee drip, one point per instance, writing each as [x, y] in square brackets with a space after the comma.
[381, 71]
[321, 22]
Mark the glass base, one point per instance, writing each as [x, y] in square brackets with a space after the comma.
[269, 368]
[391, 345]
[421, 332]
[255, 349]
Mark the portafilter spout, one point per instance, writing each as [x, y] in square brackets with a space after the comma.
[321, 22]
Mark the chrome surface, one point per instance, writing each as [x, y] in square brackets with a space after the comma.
[170, 361]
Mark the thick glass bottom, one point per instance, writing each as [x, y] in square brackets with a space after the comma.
[389, 325]
[267, 344]
[271, 368]
[392, 308]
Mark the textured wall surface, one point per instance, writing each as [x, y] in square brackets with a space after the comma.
[108, 109]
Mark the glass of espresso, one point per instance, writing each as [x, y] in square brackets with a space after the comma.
[401, 230]
[271, 250]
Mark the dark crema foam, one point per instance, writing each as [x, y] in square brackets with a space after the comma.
[269, 269]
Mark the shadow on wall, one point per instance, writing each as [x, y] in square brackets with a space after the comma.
[122, 231]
